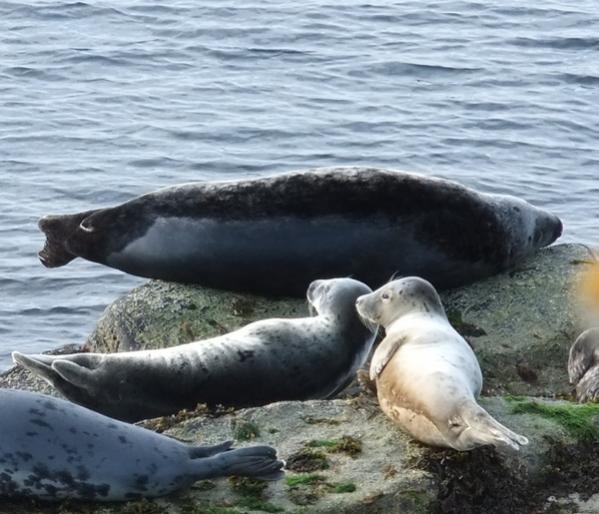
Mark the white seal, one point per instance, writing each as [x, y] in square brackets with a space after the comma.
[426, 374]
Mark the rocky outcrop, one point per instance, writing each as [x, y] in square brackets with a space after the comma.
[345, 456]
[520, 323]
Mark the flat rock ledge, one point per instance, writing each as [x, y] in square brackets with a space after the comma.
[344, 455]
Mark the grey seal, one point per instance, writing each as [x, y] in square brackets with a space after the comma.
[427, 377]
[266, 361]
[583, 365]
[274, 235]
[51, 449]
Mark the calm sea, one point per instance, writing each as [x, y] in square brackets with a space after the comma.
[102, 101]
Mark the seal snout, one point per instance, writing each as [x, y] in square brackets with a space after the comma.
[559, 229]
[364, 308]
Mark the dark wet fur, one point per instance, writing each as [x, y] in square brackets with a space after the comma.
[411, 224]
[58, 230]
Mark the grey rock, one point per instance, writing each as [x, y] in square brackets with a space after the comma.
[521, 325]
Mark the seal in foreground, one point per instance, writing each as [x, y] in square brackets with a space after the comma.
[51, 449]
[427, 376]
[276, 234]
[263, 362]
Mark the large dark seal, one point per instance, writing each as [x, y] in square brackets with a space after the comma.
[51, 449]
[275, 235]
[427, 377]
[263, 362]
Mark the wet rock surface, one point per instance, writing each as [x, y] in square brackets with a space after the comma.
[345, 456]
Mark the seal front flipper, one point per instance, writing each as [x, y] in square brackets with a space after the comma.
[58, 230]
[255, 461]
[366, 384]
[383, 354]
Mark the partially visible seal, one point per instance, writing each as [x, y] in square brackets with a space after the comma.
[51, 449]
[276, 234]
[583, 366]
[427, 376]
[266, 361]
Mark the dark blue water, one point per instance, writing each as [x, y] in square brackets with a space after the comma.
[106, 100]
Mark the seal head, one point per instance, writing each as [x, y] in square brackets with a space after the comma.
[398, 298]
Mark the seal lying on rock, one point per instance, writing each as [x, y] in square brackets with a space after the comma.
[583, 365]
[263, 362]
[51, 449]
[427, 376]
[274, 235]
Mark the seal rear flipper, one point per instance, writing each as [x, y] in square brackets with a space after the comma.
[481, 429]
[77, 375]
[254, 461]
[38, 364]
[58, 229]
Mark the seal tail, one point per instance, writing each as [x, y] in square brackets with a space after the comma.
[57, 369]
[58, 229]
[482, 429]
[254, 461]
[38, 364]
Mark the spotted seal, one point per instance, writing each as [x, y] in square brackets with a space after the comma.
[274, 235]
[427, 377]
[266, 361]
[583, 366]
[51, 449]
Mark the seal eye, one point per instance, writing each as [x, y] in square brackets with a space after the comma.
[386, 296]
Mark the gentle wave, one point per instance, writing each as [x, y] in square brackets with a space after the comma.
[102, 102]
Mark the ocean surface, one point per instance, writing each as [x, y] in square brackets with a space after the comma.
[102, 101]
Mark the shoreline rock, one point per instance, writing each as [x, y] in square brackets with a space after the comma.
[345, 456]
[520, 323]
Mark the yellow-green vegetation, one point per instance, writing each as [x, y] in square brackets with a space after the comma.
[347, 444]
[246, 431]
[310, 479]
[576, 419]
[346, 487]
[252, 492]
[201, 410]
[246, 486]
[319, 483]
[258, 504]
[307, 460]
[463, 327]
[313, 420]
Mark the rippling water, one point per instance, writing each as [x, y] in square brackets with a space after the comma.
[102, 101]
